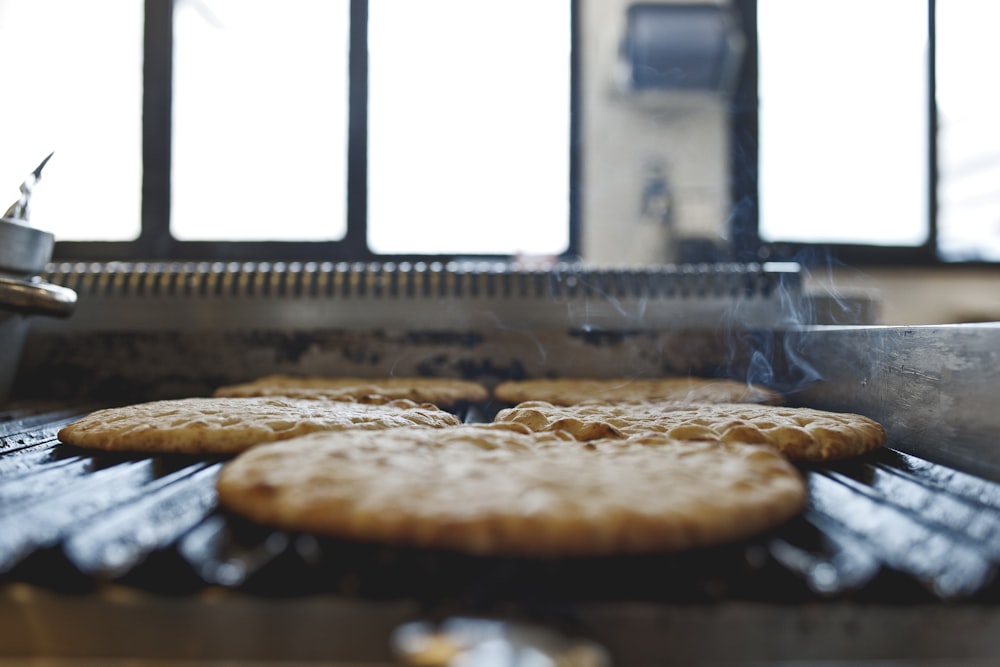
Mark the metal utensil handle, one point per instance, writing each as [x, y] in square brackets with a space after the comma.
[36, 297]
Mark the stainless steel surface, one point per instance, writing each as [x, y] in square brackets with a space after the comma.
[165, 330]
[121, 623]
[13, 329]
[488, 642]
[36, 297]
[306, 297]
[18, 299]
[936, 389]
[24, 250]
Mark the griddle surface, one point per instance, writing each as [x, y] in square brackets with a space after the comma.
[887, 528]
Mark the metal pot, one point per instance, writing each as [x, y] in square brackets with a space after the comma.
[24, 252]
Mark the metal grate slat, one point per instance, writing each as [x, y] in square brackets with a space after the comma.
[968, 487]
[42, 483]
[29, 459]
[23, 428]
[942, 512]
[46, 521]
[949, 567]
[113, 542]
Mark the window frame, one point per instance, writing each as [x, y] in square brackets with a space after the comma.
[155, 242]
[744, 224]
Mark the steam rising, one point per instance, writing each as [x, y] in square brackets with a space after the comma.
[773, 356]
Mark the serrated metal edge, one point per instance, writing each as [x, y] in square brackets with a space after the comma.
[419, 280]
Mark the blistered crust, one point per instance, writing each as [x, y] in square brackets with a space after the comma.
[230, 425]
[799, 433]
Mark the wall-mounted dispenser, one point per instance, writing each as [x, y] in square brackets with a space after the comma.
[672, 49]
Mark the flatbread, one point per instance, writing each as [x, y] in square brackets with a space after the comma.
[570, 391]
[443, 392]
[230, 425]
[500, 490]
[801, 434]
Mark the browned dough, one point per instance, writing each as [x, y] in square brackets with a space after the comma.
[501, 490]
[799, 433]
[229, 425]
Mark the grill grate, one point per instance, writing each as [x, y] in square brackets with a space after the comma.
[890, 528]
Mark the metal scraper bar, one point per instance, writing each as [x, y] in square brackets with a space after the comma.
[936, 389]
[130, 297]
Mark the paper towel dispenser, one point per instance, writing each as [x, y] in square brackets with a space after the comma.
[694, 47]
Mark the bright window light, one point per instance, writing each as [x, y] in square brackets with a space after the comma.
[968, 144]
[468, 123]
[843, 121]
[72, 81]
[260, 120]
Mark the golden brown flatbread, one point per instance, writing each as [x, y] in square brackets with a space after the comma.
[800, 434]
[230, 425]
[443, 392]
[500, 490]
[570, 391]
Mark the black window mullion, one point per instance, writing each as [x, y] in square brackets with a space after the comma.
[743, 142]
[356, 239]
[932, 122]
[575, 132]
[155, 240]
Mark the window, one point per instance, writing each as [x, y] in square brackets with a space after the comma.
[968, 146]
[300, 129]
[844, 128]
[78, 92]
[468, 126]
[259, 134]
[843, 122]
[876, 135]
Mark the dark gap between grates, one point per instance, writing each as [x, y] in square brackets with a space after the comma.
[226, 551]
[830, 560]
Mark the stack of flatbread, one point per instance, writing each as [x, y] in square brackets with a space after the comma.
[573, 468]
